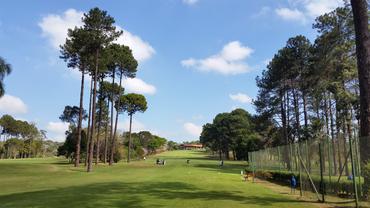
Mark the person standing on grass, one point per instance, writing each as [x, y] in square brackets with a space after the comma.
[293, 184]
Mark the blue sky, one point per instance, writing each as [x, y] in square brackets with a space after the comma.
[196, 58]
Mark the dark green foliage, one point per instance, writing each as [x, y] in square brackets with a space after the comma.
[5, 69]
[71, 114]
[69, 147]
[234, 132]
[131, 103]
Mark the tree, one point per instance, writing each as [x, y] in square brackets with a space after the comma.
[101, 32]
[131, 103]
[71, 115]
[5, 69]
[125, 64]
[361, 22]
[74, 52]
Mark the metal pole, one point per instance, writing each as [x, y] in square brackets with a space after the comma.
[322, 187]
[358, 164]
[353, 172]
[309, 177]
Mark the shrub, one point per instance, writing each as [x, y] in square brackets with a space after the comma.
[366, 174]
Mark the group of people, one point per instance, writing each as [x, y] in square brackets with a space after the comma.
[160, 162]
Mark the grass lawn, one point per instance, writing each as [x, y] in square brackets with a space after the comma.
[53, 183]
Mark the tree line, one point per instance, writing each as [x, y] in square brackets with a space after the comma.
[92, 49]
[21, 139]
[309, 90]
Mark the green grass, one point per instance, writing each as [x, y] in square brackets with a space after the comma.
[51, 182]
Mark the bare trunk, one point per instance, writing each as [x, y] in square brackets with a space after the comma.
[79, 126]
[98, 134]
[305, 110]
[88, 124]
[361, 23]
[345, 146]
[106, 139]
[117, 114]
[129, 141]
[111, 122]
[296, 111]
[332, 126]
[91, 145]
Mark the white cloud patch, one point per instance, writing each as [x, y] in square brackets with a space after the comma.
[302, 10]
[189, 2]
[55, 28]
[241, 98]
[56, 130]
[193, 129]
[315, 8]
[12, 105]
[262, 12]
[291, 14]
[141, 50]
[229, 61]
[137, 85]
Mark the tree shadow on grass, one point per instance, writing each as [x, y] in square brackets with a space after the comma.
[227, 168]
[120, 194]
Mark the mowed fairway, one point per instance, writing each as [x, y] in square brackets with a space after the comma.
[53, 183]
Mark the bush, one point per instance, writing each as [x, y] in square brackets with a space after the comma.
[366, 174]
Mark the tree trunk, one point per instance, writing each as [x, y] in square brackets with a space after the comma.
[91, 145]
[106, 139]
[79, 125]
[361, 23]
[337, 122]
[296, 111]
[332, 126]
[111, 122]
[305, 110]
[345, 146]
[116, 122]
[88, 124]
[129, 140]
[98, 134]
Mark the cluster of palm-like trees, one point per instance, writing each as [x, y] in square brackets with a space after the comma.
[92, 50]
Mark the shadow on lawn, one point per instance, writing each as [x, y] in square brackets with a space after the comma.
[119, 194]
[227, 168]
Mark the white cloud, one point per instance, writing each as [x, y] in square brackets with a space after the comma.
[140, 49]
[137, 85]
[291, 14]
[315, 8]
[56, 130]
[240, 97]
[262, 12]
[55, 27]
[190, 2]
[229, 61]
[302, 10]
[12, 105]
[193, 129]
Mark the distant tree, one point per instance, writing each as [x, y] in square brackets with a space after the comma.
[131, 103]
[68, 148]
[71, 115]
[171, 145]
[5, 69]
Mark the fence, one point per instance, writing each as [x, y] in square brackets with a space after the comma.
[321, 166]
